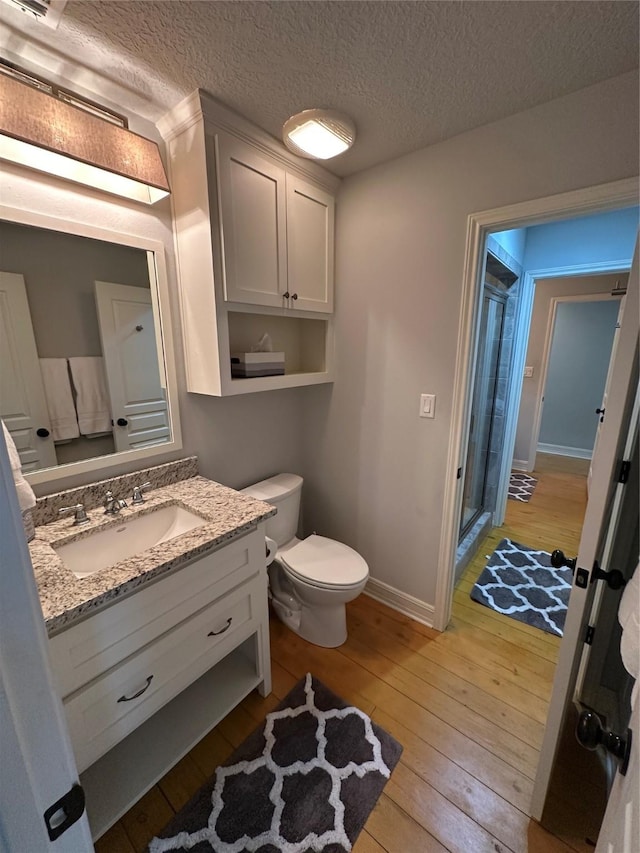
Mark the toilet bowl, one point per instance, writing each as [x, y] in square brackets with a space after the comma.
[310, 580]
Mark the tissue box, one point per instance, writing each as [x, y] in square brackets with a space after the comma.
[248, 364]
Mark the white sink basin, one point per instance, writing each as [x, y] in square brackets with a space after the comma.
[132, 536]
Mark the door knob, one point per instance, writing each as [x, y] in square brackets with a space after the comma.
[601, 413]
[591, 733]
[558, 560]
[614, 579]
[42, 432]
[122, 421]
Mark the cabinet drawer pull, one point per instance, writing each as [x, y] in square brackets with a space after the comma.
[139, 693]
[222, 630]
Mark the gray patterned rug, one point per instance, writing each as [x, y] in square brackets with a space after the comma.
[303, 782]
[521, 582]
[521, 486]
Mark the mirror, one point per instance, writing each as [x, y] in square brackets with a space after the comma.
[84, 382]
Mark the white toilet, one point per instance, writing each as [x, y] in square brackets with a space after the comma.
[310, 580]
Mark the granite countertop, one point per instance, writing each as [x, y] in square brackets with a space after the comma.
[66, 599]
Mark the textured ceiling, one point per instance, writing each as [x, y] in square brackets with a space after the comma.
[409, 73]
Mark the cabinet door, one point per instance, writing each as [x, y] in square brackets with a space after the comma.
[251, 198]
[310, 224]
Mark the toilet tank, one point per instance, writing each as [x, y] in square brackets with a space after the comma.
[283, 491]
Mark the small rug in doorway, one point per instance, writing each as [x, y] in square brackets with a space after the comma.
[306, 780]
[521, 582]
[521, 486]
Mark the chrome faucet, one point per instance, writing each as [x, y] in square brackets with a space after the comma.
[138, 493]
[112, 506]
[80, 516]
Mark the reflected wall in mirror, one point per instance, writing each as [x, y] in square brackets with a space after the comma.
[82, 370]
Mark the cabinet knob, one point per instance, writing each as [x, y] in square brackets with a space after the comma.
[285, 295]
[294, 295]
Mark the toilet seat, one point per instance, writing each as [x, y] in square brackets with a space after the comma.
[324, 563]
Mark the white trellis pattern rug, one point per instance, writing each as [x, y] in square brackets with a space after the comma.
[305, 781]
[521, 486]
[520, 582]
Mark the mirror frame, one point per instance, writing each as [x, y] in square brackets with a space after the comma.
[162, 309]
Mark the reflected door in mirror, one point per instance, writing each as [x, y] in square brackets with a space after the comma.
[138, 400]
[22, 401]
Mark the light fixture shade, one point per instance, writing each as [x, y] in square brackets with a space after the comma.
[41, 132]
[319, 134]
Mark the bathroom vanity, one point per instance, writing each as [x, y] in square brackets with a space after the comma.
[151, 653]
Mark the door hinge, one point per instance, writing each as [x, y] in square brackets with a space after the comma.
[625, 469]
[588, 635]
[65, 812]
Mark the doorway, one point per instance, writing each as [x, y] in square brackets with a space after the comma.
[540, 652]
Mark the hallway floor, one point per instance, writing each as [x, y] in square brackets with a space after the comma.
[469, 706]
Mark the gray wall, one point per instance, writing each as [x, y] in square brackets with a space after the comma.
[545, 290]
[577, 371]
[375, 470]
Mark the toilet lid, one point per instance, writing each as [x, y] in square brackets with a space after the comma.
[319, 560]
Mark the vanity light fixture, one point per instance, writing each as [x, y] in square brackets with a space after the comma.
[319, 134]
[49, 129]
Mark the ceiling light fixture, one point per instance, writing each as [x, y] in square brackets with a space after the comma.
[319, 134]
[51, 130]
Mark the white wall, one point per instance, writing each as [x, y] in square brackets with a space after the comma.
[545, 290]
[375, 470]
[578, 363]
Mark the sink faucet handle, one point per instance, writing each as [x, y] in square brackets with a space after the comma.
[81, 516]
[138, 491]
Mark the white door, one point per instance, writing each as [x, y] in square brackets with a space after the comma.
[252, 213]
[22, 401]
[603, 404]
[127, 331]
[600, 515]
[620, 829]
[37, 767]
[310, 218]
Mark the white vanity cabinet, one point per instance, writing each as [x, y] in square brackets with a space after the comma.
[255, 243]
[144, 679]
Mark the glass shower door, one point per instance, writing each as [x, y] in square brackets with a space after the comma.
[483, 409]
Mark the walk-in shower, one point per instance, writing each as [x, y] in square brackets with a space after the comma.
[486, 429]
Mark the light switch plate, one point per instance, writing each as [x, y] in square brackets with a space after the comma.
[427, 405]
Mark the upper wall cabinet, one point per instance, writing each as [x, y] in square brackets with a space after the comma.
[255, 235]
[252, 206]
[310, 226]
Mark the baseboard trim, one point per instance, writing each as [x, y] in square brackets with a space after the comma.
[406, 604]
[559, 450]
[520, 465]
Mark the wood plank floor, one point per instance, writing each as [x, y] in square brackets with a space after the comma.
[469, 706]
